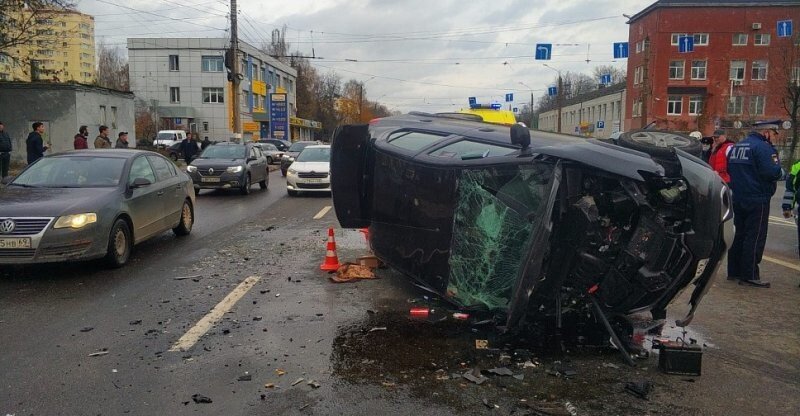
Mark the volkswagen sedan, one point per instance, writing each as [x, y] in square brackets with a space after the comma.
[91, 204]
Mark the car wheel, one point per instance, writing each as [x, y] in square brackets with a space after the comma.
[245, 189]
[265, 183]
[291, 192]
[659, 143]
[269, 160]
[173, 156]
[187, 220]
[119, 244]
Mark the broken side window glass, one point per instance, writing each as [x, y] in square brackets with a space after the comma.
[497, 210]
[413, 140]
[468, 147]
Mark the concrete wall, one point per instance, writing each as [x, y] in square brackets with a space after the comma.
[63, 108]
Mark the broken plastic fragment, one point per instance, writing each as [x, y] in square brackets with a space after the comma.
[419, 312]
[314, 384]
[475, 376]
[501, 371]
[298, 381]
[199, 398]
[280, 372]
[481, 344]
[98, 353]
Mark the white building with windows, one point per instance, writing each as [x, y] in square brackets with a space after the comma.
[595, 114]
[185, 84]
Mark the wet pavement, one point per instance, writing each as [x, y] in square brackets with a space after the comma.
[296, 343]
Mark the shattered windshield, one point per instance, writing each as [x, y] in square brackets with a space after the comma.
[497, 210]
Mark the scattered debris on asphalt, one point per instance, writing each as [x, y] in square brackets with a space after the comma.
[610, 365]
[481, 344]
[99, 353]
[475, 376]
[304, 407]
[199, 398]
[298, 381]
[280, 372]
[245, 377]
[258, 318]
[378, 328]
[269, 385]
[490, 405]
[560, 370]
[501, 371]
[314, 384]
[350, 272]
[640, 389]
[87, 328]
[187, 277]
[136, 322]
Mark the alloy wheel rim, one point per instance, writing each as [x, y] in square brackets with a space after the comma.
[120, 243]
[187, 216]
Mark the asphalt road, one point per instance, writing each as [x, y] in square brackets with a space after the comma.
[252, 263]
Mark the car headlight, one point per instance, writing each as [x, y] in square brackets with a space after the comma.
[76, 220]
[191, 168]
[292, 171]
[233, 169]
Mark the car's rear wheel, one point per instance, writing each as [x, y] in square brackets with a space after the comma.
[173, 156]
[269, 160]
[187, 220]
[659, 143]
[292, 193]
[119, 244]
[245, 189]
[265, 183]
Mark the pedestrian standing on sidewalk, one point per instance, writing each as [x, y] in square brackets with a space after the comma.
[81, 139]
[188, 148]
[754, 170]
[122, 140]
[34, 143]
[719, 155]
[790, 199]
[5, 151]
[102, 141]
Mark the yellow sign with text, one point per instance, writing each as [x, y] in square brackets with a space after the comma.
[251, 126]
[260, 88]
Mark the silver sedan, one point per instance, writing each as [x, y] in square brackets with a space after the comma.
[92, 204]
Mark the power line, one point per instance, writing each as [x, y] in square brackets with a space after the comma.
[158, 15]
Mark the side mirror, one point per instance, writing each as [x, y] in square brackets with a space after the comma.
[7, 180]
[521, 136]
[251, 159]
[140, 182]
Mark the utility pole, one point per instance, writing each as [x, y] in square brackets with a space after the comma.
[237, 94]
[531, 108]
[560, 99]
[360, 99]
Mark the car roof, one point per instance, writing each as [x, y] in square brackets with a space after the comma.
[318, 146]
[231, 144]
[119, 153]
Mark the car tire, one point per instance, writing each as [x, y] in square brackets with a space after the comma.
[269, 160]
[245, 189]
[187, 220]
[173, 156]
[120, 244]
[292, 193]
[265, 183]
[659, 143]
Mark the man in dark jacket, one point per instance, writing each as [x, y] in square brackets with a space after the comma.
[81, 140]
[122, 140]
[754, 170]
[189, 148]
[35, 143]
[5, 151]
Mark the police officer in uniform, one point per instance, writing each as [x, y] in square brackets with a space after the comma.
[754, 170]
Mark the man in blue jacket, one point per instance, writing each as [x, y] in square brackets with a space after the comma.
[754, 169]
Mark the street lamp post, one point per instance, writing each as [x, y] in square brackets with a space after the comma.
[531, 105]
[559, 94]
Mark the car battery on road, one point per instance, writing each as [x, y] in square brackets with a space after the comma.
[677, 357]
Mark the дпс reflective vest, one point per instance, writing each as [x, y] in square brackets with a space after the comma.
[754, 168]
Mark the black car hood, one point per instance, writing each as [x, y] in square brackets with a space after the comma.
[204, 163]
[51, 202]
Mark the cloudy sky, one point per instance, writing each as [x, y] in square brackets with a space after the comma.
[428, 55]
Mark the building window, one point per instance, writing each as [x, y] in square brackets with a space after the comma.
[213, 95]
[674, 105]
[173, 63]
[174, 94]
[761, 39]
[113, 117]
[676, 36]
[699, 69]
[701, 39]
[637, 108]
[676, 69]
[757, 103]
[737, 70]
[254, 72]
[212, 64]
[735, 105]
[205, 126]
[739, 39]
[695, 105]
[102, 115]
[796, 75]
[638, 74]
[759, 71]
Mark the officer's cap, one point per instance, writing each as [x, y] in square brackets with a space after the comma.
[767, 125]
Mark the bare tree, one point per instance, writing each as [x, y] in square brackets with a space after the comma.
[790, 78]
[19, 20]
[617, 74]
[112, 68]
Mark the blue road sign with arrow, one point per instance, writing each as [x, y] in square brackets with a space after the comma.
[784, 28]
[552, 91]
[620, 50]
[544, 51]
[685, 44]
[605, 79]
[509, 97]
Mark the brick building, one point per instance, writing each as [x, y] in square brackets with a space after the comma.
[737, 72]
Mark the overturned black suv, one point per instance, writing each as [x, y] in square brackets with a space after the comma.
[535, 228]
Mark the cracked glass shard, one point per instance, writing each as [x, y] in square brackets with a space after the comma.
[497, 210]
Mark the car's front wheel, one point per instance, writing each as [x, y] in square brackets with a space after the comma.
[184, 227]
[269, 160]
[120, 244]
[245, 189]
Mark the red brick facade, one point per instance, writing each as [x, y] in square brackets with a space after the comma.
[655, 90]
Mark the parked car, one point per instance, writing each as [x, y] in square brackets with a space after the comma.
[89, 204]
[166, 138]
[538, 228]
[230, 166]
[292, 153]
[310, 171]
[175, 151]
[282, 145]
[271, 152]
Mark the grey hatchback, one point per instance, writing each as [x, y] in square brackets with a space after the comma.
[90, 204]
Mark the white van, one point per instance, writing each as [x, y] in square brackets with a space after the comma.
[166, 138]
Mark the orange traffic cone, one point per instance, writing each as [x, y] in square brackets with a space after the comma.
[331, 263]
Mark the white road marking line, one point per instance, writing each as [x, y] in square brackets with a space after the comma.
[781, 219]
[203, 325]
[322, 212]
[782, 224]
[781, 263]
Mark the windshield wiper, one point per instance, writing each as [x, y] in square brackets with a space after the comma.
[23, 185]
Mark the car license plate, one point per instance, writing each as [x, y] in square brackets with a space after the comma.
[210, 179]
[11, 243]
[313, 180]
